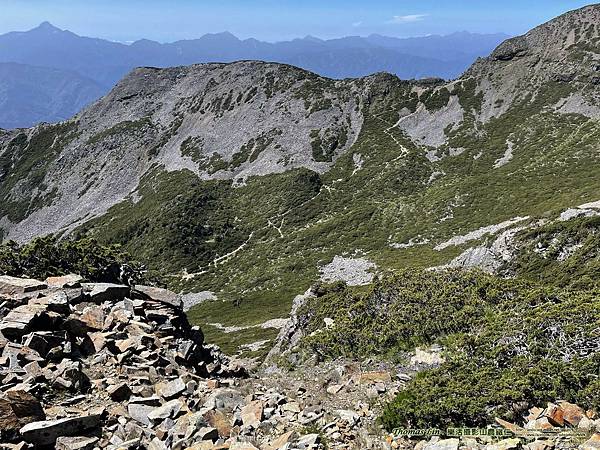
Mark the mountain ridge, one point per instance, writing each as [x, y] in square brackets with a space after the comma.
[312, 177]
[107, 62]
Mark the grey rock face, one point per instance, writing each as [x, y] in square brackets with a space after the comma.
[220, 121]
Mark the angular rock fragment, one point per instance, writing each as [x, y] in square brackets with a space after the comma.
[76, 443]
[18, 408]
[13, 285]
[168, 410]
[171, 389]
[101, 292]
[160, 295]
[252, 413]
[65, 281]
[46, 432]
[119, 392]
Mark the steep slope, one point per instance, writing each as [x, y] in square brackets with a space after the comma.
[253, 180]
[29, 95]
[217, 121]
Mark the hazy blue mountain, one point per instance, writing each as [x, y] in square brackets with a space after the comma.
[106, 62]
[30, 94]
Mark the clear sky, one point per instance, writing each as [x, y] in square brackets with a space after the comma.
[272, 20]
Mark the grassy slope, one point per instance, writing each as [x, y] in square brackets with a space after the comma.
[184, 223]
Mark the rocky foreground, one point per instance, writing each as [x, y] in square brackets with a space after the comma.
[106, 366]
[96, 365]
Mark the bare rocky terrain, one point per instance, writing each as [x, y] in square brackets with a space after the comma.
[220, 121]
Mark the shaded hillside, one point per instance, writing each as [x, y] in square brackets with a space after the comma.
[29, 95]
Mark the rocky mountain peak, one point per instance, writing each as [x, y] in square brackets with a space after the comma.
[574, 29]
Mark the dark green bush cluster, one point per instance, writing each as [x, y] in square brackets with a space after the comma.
[402, 311]
[509, 345]
[564, 254]
[47, 256]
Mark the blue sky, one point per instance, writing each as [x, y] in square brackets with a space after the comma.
[272, 20]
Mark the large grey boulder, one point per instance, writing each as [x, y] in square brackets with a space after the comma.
[160, 295]
[46, 432]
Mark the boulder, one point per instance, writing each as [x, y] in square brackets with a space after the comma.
[18, 408]
[218, 420]
[281, 441]
[140, 412]
[168, 410]
[592, 443]
[21, 319]
[102, 292]
[252, 413]
[76, 443]
[224, 399]
[46, 432]
[119, 392]
[572, 414]
[13, 285]
[554, 414]
[171, 389]
[93, 317]
[160, 295]
[208, 434]
[57, 302]
[65, 281]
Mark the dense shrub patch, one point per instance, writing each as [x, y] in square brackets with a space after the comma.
[508, 344]
[47, 256]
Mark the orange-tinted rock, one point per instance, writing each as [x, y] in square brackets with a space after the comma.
[375, 377]
[218, 420]
[554, 413]
[572, 414]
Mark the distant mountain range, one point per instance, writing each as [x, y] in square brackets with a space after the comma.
[93, 65]
[31, 94]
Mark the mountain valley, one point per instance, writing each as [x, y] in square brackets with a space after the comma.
[443, 232]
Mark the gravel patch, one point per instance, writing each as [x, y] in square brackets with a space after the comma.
[353, 271]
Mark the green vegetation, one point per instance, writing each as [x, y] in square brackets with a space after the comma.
[253, 148]
[24, 164]
[123, 128]
[435, 100]
[509, 344]
[564, 254]
[324, 143]
[180, 221]
[48, 256]
[192, 148]
[283, 227]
